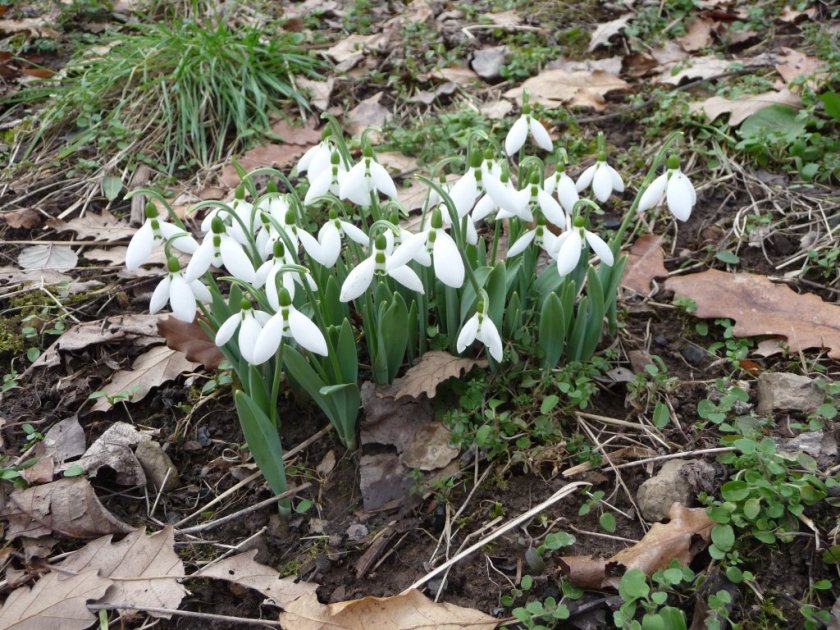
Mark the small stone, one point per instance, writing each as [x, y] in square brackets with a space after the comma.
[357, 532]
[821, 446]
[203, 435]
[693, 355]
[317, 526]
[322, 563]
[660, 340]
[792, 392]
[670, 485]
[157, 465]
[487, 62]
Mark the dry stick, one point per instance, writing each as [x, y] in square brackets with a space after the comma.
[702, 451]
[560, 494]
[185, 613]
[622, 423]
[288, 455]
[251, 508]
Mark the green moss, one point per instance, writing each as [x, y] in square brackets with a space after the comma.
[11, 338]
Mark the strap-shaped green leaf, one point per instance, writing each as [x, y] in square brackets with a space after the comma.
[393, 331]
[595, 321]
[552, 330]
[497, 292]
[346, 400]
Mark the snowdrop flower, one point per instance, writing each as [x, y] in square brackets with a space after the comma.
[267, 275]
[290, 323]
[519, 133]
[218, 249]
[564, 186]
[540, 236]
[466, 191]
[501, 196]
[674, 187]
[381, 263]
[179, 292]
[535, 197]
[327, 248]
[366, 177]
[250, 323]
[325, 181]
[568, 245]
[481, 327]
[603, 178]
[317, 159]
[448, 264]
[152, 233]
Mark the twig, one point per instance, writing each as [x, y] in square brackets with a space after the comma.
[702, 451]
[185, 613]
[560, 494]
[251, 508]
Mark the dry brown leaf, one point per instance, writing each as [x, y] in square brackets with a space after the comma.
[65, 440]
[793, 64]
[150, 369]
[56, 601]
[140, 329]
[25, 218]
[43, 257]
[319, 91]
[114, 450]
[366, 114]
[496, 110]
[505, 19]
[350, 50]
[243, 570]
[13, 275]
[790, 15]
[68, 506]
[431, 370]
[277, 155]
[461, 76]
[741, 108]
[686, 533]
[583, 571]
[38, 27]
[149, 566]
[645, 263]
[760, 307]
[191, 339]
[700, 68]
[305, 136]
[698, 34]
[605, 31]
[554, 88]
[103, 227]
[407, 611]
[397, 163]
[608, 64]
[42, 470]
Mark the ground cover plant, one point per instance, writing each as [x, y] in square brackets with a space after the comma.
[420, 315]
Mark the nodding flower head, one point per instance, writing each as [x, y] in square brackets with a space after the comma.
[674, 187]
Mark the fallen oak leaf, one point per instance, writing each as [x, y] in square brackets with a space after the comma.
[190, 338]
[553, 88]
[698, 34]
[25, 218]
[42, 257]
[761, 307]
[792, 64]
[68, 506]
[276, 155]
[607, 30]
[645, 263]
[148, 565]
[740, 109]
[104, 227]
[114, 450]
[410, 610]
[431, 370]
[55, 601]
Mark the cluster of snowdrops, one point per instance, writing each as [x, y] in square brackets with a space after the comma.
[281, 277]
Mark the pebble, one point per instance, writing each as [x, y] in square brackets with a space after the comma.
[694, 355]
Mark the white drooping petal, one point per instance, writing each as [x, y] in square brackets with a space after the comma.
[200, 261]
[549, 242]
[602, 184]
[516, 136]
[181, 240]
[521, 243]
[615, 178]
[311, 246]
[488, 334]
[498, 194]
[306, 333]
[306, 160]
[320, 186]
[407, 277]
[262, 317]
[236, 261]
[568, 247]
[354, 234]
[464, 193]
[249, 332]
[472, 233]
[407, 250]
[483, 208]
[653, 194]
[354, 186]
[358, 280]
[566, 192]
[680, 196]
[382, 180]
[467, 334]
[182, 299]
[201, 293]
[599, 247]
[160, 296]
[226, 330]
[449, 267]
[268, 339]
[140, 246]
[262, 273]
[329, 240]
[541, 136]
[586, 178]
[551, 209]
[207, 221]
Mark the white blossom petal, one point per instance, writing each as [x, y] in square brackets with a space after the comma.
[449, 267]
[354, 186]
[550, 208]
[615, 178]
[182, 299]
[599, 247]
[201, 292]
[568, 251]
[567, 193]
[680, 196]
[329, 240]
[467, 334]
[464, 193]
[586, 178]
[358, 280]
[140, 246]
[407, 250]
[226, 330]
[354, 234]
[236, 261]
[488, 334]
[653, 194]
[541, 136]
[320, 186]
[160, 296]
[382, 180]
[407, 277]
[200, 261]
[602, 184]
[306, 333]
[268, 339]
[249, 332]
[521, 243]
[516, 136]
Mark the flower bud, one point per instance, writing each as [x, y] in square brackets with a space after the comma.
[284, 298]
[240, 193]
[151, 211]
[173, 265]
[380, 243]
[673, 162]
[245, 305]
[279, 249]
[437, 219]
[218, 225]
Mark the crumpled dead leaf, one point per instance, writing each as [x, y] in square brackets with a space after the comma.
[104, 228]
[114, 449]
[745, 106]
[698, 34]
[278, 155]
[760, 307]
[37, 27]
[243, 570]
[25, 218]
[793, 64]
[65, 440]
[367, 113]
[554, 88]
[319, 91]
[150, 563]
[407, 611]
[42, 257]
[190, 338]
[67, 506]
[606, 30]
[151, 369]
[431, 370]
[700, 68]
[686, 533]
[56, 601]
[645, 263]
